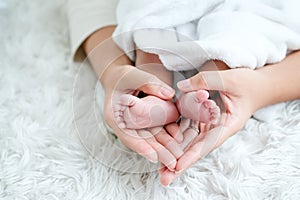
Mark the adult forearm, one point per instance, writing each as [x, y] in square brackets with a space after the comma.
[283, 79]
[104, 55]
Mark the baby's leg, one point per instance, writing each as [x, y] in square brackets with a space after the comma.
[196, 106]
[214, 65]
[150, 63]
[138, 113]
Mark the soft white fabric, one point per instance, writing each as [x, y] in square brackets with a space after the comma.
[86, 17]
[240, 33]
[41, 156]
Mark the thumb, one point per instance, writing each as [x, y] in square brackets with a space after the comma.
[158, 88]
[207, 80]
[139, 80]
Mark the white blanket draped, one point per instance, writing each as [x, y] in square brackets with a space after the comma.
[240, 33]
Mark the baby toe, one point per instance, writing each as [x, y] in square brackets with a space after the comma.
[128, 100]
[200, 95]
[208, 104]
[215, 114]
[122, 125]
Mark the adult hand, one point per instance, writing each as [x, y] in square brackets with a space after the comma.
[241, 92]
[117, 77]
[155, 144]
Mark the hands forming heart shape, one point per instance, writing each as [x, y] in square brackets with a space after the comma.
[178, 145]
[169, 127]
[156, 121]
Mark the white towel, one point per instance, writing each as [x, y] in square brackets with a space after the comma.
[241, 33]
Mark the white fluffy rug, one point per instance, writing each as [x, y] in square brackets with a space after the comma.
[53, 143]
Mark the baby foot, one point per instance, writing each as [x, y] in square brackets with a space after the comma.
[197, 106]
[137, 113]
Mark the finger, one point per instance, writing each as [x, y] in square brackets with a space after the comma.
[174, 130]
[161, 169]
[132, 140]
[208, 80]
[167, 177]
[168, 142]
[128, 137]
[164, 155]
[203, 127]
[157, 88]
[199, 149]
[184, 124]
[189, 135]
[139, 80]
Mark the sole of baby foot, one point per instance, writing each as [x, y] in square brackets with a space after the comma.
[137, 113]
[196, 105]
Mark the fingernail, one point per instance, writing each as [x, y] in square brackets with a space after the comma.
[153, 161]
[152, 157]
[178, 172]
[167, 185]
[171, 166]
[185, 84]
[167, 92]
[172, 170]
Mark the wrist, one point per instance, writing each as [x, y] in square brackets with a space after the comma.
[264, 89]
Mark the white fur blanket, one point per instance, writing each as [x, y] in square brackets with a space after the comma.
[46, 100]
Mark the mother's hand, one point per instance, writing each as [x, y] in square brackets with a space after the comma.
[241, 92]
[117, 76]
[155, 144]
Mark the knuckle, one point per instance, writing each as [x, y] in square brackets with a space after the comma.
[145, 87]
[152, 80]
[169, 142]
